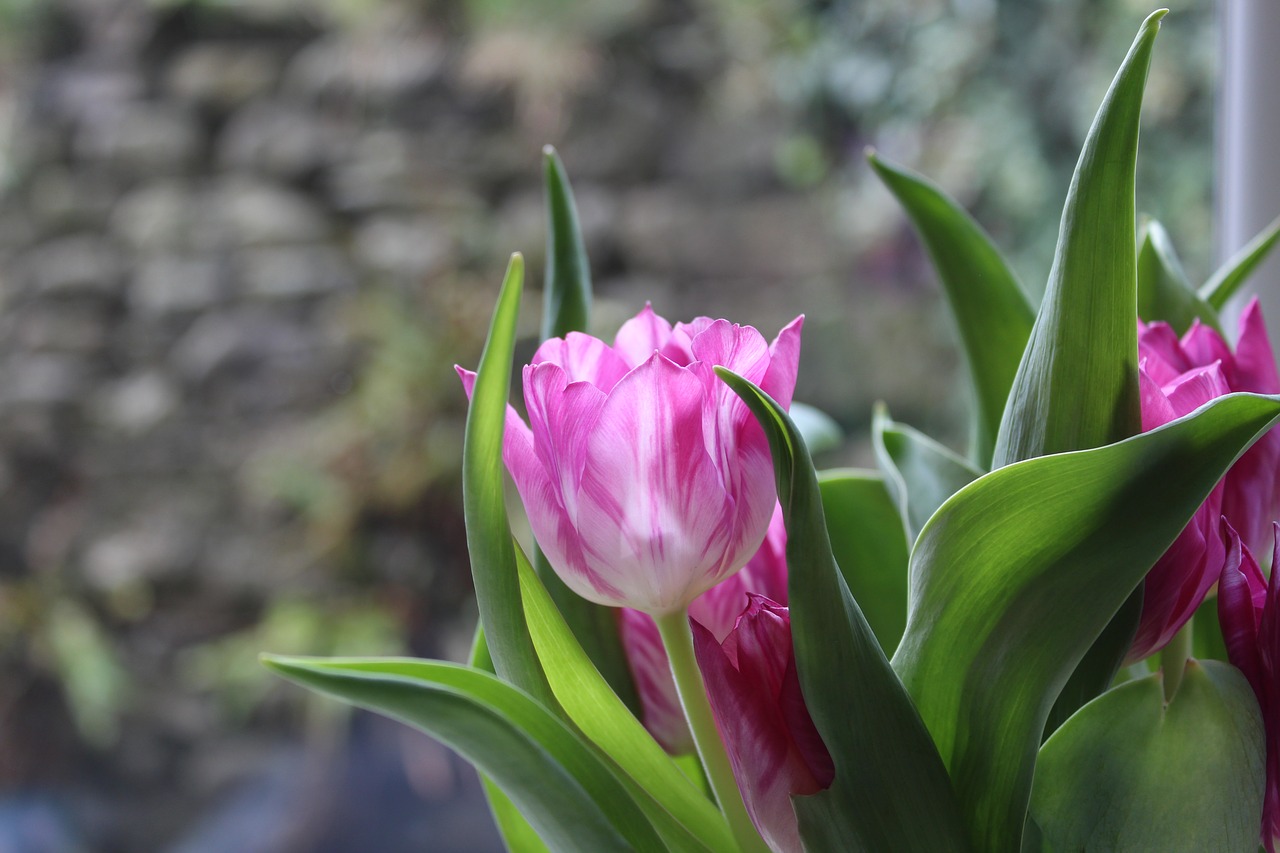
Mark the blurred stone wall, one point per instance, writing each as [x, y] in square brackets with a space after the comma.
[200, 207]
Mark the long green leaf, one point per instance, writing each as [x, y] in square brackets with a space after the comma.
[870, 546]
[566, 308]
[493, 562]
[890, 791]
[1016, 575]
[1223, 284]
[1077, 385]
[1164, 293]
[553, 776]
[990, 308]
[1130, 773]
[919, 472]
[602, 717]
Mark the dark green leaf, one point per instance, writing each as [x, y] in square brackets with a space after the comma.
[890, 791]
[1206, 636]
[919, 473]
[990, 308]
[553, 776]
[1016, 575]
[1077, 385]
[871, 548]
[1164, 293]
[1223, 284]
[1130, 773]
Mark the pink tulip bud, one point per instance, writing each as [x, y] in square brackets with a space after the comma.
[773, 745]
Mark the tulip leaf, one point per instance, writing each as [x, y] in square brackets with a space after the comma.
[1077, 385]
[493, 561]
[1223, 284]
[1164, 293]
[1118, 775]
[890, 790]
[682, 812]
[820, 430]
[553, 776]
[1018, 573]
[919, 472]
[567, 308]
[1207, 642]
[870, 546]
[991, 310]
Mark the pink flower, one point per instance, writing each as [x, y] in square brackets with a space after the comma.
[717, 610]
[1249, 611]
[1175, 378]
[755, 695]
[645, 479]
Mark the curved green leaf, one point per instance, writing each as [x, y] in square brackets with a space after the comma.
[1223, 284]
[990, 308]
[1017, 574]
[890, 791]
[919, 472]
[870, 547]
[1077, 385]
[1164, 293]
[602, 717]
[493, 562]
[1115, 777]
[820, 430]
[554, 777]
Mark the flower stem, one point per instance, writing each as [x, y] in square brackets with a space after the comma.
[678, 641]
[1173, 660]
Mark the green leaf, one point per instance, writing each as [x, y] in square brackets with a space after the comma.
[1130, 773]
[919, 473]
[1016, 575]
[1206, 635]
[991, 310]
[890, 791]
[602, 717]
[1223, 284]
[493, 561]
[870, 546]
[550, 773]
[567, 308]
[1164, 293]
[1077, 385]
[820, 430]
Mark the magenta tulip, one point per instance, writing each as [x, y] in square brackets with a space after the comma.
[773, 745]
[717, 610]
[1175, 378]
[645, 479]
[1249, 612]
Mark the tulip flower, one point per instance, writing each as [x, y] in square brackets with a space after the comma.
[1249, 612]
[645, 479]
[773, 745]
[717, 610]
[1175, 378]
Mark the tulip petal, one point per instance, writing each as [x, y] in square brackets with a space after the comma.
[1241, 594]
[642, 336]
[1159, 343]
[583, 358]
[1255, 360]
[1156, 408]
[784, 363]
[1203, 345]
[562, 415]
[1196, 387]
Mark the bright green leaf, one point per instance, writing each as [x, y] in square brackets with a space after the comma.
[1223, 284]
[870, 546]
[890, 791]
[605, 720]
[1164, 293]
[991, 310]
[1017, 574]
[919, 472]
[552, 775]
[1129, 773]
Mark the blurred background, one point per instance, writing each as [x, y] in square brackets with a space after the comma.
[243, 243]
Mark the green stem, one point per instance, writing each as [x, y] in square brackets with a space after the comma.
[1173, 660]
[678, 640]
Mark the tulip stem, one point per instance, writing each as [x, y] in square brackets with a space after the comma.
[1173, 660]
[678, 641]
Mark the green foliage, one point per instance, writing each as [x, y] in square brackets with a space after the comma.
[1164, 292]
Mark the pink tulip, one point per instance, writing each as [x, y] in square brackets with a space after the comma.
[645, 479]
[717, 610]
[773, 746]
[1175, 378]
[1249, 612]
